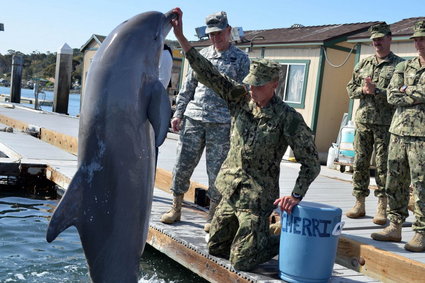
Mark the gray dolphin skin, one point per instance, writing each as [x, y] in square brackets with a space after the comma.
[125, 114]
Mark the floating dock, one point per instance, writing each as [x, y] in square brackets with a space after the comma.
[45, 144]
[27, 100]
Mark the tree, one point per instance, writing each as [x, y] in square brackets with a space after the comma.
[49, 71]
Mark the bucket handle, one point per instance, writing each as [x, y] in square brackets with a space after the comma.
[338, 228]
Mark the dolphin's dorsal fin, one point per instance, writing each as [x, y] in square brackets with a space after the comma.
[68, 210]
[159, 112]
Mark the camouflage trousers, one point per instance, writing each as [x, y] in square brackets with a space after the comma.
[194, 137]
[406, 164]
[367, 137]
[241, 235]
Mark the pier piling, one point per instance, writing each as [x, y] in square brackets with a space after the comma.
[62, 79]
[15, 87]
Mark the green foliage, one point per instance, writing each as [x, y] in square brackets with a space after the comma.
[39, 65]
[174, 44]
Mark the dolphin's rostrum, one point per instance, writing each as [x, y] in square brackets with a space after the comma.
[125, 114]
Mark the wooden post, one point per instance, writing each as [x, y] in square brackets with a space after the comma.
[62, 79]
[15, 87]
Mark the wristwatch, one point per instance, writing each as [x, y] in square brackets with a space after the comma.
[297, 196]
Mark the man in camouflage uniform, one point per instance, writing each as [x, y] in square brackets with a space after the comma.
[406, 157]
[204, 118]
[370, 79]
[263, 126]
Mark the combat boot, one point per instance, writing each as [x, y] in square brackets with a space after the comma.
[381, 211]
[358, 210]
[211, 211]
[417, 243]
[275, 228]
[391, 233]
[174, 214]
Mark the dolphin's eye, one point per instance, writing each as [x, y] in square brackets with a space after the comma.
[156, 37]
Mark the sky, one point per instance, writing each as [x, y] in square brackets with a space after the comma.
[46, 25]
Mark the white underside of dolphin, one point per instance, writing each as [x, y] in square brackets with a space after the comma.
[125, 115]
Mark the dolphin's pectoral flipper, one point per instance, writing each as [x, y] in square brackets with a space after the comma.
[159, 112]
[68, 209]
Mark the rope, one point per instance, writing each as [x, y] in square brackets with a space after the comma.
[343, 63]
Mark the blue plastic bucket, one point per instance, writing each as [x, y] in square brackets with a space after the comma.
[308, 242]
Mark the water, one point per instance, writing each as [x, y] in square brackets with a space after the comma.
[73, 103]
[25, 256]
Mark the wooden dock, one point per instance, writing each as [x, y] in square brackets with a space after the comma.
[49, 142]
[27, 100]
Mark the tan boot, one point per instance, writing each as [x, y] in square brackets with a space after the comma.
[211, 211]
[275, 228]
[174, 214]
[381, 211]
[391, 233]
[417, 243]
[358, 210]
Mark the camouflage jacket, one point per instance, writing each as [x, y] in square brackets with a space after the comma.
[373, 109]
[259, 138]
[409, 117]
[197, 101]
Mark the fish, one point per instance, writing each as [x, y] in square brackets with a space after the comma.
[124, 118]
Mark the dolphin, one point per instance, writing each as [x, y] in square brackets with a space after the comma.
[125, 115]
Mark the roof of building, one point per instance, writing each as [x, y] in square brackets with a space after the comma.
[298, 34]
[98, 38]
[403, 28]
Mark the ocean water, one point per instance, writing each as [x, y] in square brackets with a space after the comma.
[73, 103]
[25, 255]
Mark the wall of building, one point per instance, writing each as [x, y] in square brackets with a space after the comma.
[334, 99]
[89, 53]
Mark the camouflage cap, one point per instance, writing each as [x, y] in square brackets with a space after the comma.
[379, 30]
[418, 29]
[216, 22]
[261, 72]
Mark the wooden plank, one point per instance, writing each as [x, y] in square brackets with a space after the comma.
[57, 177]
[377, 263]
[63, 141]
[13, 123]
[189, 258]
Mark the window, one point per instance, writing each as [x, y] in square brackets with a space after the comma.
[293, 82]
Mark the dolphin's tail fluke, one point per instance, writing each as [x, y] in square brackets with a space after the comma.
[67, 212]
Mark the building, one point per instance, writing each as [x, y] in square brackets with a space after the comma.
[89, 49]
[317, 65]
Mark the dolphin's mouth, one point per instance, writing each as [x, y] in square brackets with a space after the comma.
[167, 22]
